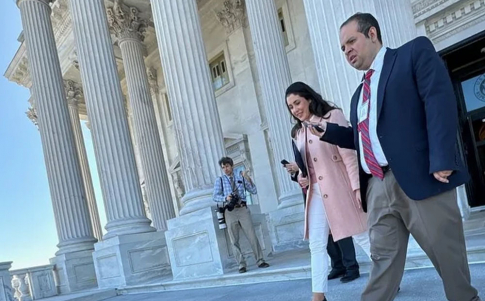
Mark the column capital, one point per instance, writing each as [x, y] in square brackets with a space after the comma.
[74, 92]
[232, 15]
[125, 22]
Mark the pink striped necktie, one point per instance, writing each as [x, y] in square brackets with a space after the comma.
[369, 157]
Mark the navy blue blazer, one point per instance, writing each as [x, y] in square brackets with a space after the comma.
[417, 122]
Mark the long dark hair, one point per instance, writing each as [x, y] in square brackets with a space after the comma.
[318, 106]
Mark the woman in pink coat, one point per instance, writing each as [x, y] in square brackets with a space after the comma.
[333, 197]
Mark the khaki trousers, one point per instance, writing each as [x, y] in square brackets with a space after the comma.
[240, 218]
[436, 225]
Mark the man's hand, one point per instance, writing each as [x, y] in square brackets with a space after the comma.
[358, 199]
[304, 182]
[245, 174]
[442, 176]
[314, 131]
[228, 198]
[291, 167]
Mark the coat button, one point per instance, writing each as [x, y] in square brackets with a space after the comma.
[334, 157]
[315, 159]
[325, 196]
[320, 178]
[310, 141]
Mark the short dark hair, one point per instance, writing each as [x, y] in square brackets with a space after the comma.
[364, 22]
[226, 160]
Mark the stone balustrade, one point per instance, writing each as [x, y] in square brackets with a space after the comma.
[5, 279]
[34, 283]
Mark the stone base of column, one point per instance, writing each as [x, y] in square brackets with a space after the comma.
[5, 282]
[131, 259]
[74, 271]
[198, 248]
[286, 226]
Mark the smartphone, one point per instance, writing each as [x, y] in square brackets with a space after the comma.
[315, 126]
[284, 162]
[319, 129]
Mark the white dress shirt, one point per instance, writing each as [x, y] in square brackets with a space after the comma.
[362, 113]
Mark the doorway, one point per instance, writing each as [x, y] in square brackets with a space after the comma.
[466, 65]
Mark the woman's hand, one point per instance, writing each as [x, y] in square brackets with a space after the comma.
[291, 168]
[358, 199]
[304, 182]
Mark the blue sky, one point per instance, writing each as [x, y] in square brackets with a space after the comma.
[28, 235]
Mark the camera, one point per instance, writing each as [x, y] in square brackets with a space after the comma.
[220, 218]
[233, 202]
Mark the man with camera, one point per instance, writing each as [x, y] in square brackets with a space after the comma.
[230, 189]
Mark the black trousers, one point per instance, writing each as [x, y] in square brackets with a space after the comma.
[342, 254]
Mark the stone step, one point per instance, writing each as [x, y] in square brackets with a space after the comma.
[93, 295]
[293, 265]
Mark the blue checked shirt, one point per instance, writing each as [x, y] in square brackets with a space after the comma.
[220, 195]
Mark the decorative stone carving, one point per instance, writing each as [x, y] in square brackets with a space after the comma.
[21, 75]
[32, 115]
[424, 6]
[125, 21]
[20, 283]
[74, 92]
[152, 79]
[232, 15]
[73, 59]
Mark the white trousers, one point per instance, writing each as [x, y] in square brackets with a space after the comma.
[318, 236]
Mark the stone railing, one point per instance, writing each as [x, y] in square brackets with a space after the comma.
[34, 283]
[5, 288]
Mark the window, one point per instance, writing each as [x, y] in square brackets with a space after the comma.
[219, 72]
[281, 19]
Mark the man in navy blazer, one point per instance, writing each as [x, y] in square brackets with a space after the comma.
[404, 127]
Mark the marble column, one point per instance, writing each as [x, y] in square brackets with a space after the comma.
[196, 119]
[104, 100]
[130, 34]
[61, 158]
[132, 252]
[275, 77]
[74, 95]
[337, 79]
[6, 282]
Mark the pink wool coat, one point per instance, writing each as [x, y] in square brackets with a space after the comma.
[337, 173]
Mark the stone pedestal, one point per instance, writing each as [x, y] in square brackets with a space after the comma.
[287, 225]
[35, 283]
[198, 248]
[131, 260]
[74, 271]
[5, 282]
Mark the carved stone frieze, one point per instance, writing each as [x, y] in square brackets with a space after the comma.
[423, 6]
[74, 92]
[73, 59]
[453, 21]
[232, 15]
[21, 75]
[125, 22]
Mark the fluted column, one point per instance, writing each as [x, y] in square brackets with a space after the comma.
[196, 119]
[104, 101]
[337, 79]
[61, 158]
[74, 95]
[275, 77]
[130, 38]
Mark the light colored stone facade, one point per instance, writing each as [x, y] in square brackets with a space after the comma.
[168, 88]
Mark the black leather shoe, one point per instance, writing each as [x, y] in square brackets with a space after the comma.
[263, 265]
[334, 274]
[242, 270]
[350, 277]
